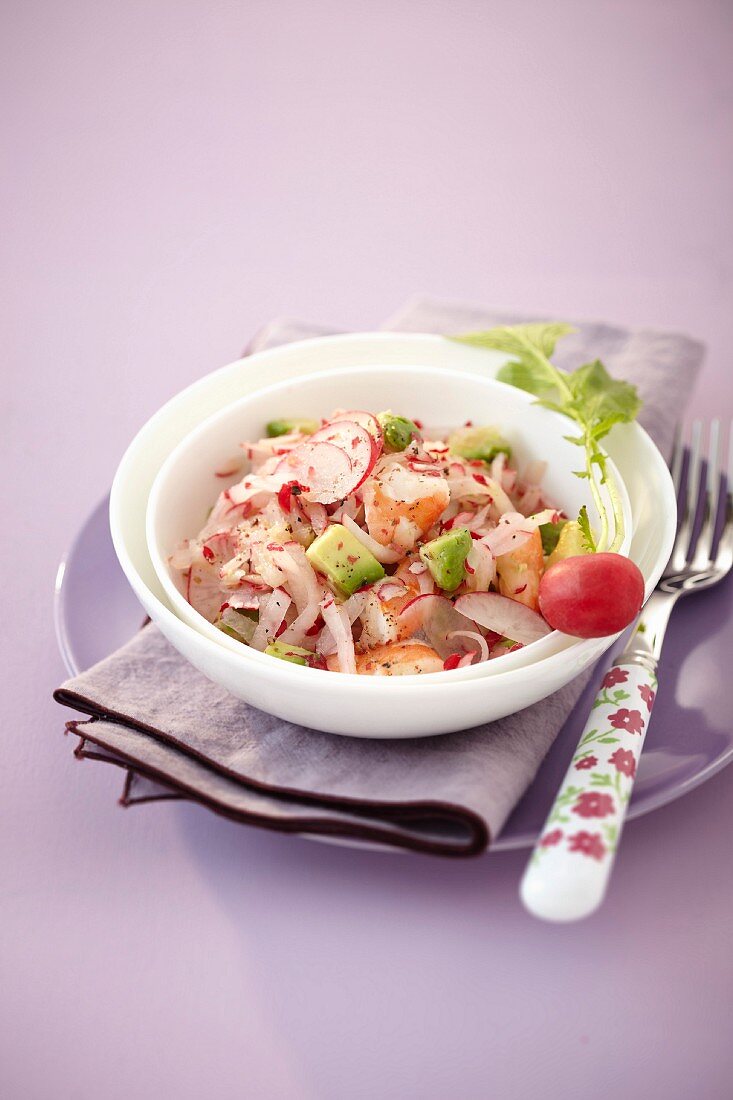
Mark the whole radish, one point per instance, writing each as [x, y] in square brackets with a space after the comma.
[591, 596]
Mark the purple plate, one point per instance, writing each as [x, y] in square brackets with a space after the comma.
[689, 739]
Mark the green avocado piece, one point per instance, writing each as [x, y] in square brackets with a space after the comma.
[242, 630]
[292, 653]
[397, 431]
[550, 534]
[482, 443]
[287, 427]
[445, 557]
[344, 560]
[571, 543]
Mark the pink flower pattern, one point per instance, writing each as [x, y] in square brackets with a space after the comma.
[586, 762]
[593, 804]
[614, 676]
[624, 762]
[629, 720]
[599, 780]
[590, 844]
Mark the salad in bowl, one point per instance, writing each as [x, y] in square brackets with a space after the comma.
[365, 543]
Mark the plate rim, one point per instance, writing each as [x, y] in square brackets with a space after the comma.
[637, 809]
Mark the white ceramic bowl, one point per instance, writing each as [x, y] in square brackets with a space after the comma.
[363, 706]
[186, 485]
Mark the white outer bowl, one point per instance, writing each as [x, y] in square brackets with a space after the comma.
[186, 485]
[364, 706]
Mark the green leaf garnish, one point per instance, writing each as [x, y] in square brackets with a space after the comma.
[589, 396]
[584, 525]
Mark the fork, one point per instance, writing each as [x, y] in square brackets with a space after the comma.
[569, 870]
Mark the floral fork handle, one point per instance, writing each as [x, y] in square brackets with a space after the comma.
[567, 876]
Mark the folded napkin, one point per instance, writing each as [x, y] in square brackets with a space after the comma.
[182, 736]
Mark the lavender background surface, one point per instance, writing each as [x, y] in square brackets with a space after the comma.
[175, 175]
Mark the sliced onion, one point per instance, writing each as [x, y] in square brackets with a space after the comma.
[507, 617]
[511, 532]
[305, 589]
[530, 500]
[324, 468]
[466, 660]
[390, 590]
[272, 613]
[337, 621]
[383, 554]
[246, 597]
[465, 484]
[481, 559]
[315, 513]
[437, 618]
[426, 583]
[482, 649]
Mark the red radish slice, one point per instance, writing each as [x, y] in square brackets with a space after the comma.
[507, 617]
[220, 547]
[439, 621]
[204, 590]
[355, 441]
[326, 470]
[366, 420]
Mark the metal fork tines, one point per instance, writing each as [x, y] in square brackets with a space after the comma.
[703, 552]
[696, 561]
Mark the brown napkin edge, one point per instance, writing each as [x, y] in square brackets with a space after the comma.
[371, 810]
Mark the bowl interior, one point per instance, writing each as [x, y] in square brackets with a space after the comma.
[189, 480]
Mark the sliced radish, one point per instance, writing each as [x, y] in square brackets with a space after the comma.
[355, 441]
[220, 547]
[507, 617]
[366, 420]
[324, 468]
[204, 590]
[439, 621]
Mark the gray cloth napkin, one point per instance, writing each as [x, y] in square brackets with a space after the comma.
[182, 736]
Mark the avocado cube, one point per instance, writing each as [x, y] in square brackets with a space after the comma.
[482, 443]
[292, 653]
[239, 624]
[445, 557]
[397, 431]
[344, 560]
[287, 427]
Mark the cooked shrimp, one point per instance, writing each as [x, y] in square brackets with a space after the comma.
[380, 617]
[397, 659]
[520, 571]
[402, 504]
